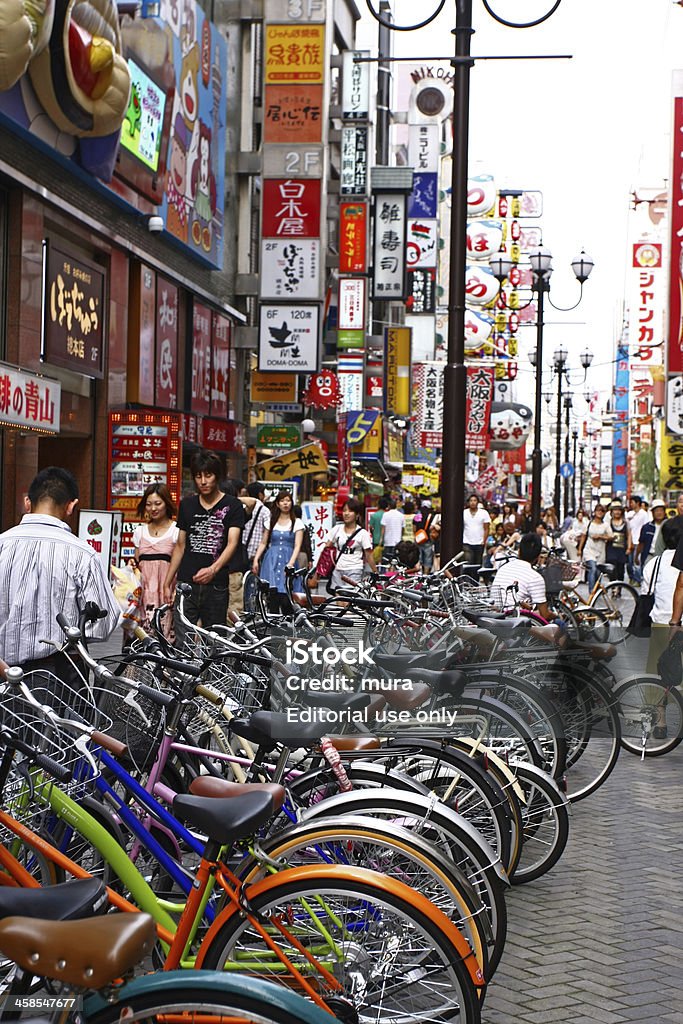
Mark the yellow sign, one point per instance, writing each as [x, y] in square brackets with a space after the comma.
[672, 462]
[295, 53]
[299, 462]
[397, 370]
[273, 387]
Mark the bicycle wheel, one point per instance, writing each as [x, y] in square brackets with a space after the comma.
[204, 996]
[617, 601]
[562, 611]
[593, 624]
[393, 957]
[546, 823]
[391, 850]
[651, 716]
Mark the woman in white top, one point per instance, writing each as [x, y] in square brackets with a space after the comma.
[659, 579]
[353, 543]
[571, 538]
[593, 545]
[279, 548]
[154, 540]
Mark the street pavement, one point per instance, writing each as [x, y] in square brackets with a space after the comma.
[599, 939]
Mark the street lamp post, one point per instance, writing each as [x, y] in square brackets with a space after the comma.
[582, 449]
[559, 362]
[567, 416]
[541, 270]
[575, 437]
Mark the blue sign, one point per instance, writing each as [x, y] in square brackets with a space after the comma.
[620, 433]
[567, 470]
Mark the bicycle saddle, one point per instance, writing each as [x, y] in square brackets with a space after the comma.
[84, 954]
[404, 660]
[268, 728]
[225, 820]
[476, 617]
[605, 567]
[335, 701]
[65, 902]
[504, 627]
[210, 786]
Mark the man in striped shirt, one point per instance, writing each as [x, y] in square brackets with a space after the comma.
[45, 569]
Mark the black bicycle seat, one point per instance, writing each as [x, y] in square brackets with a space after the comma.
[68, 901]
[225, 819]
[268, 728]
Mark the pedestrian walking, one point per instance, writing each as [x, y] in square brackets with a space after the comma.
[618, 547]
[210, 526]
[391, 531]
[353, 545]
[279, 549]
[636, 518]
[593, 545]
[375, 526]
[660, 576]
[45, 569]
[154, 540]
[476, 525]
[651, 542]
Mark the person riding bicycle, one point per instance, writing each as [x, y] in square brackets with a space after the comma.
[530, 584]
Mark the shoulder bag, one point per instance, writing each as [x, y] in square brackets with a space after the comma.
[641, 622]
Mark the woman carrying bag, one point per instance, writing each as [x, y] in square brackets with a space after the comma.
[659, 582]
[351, 547]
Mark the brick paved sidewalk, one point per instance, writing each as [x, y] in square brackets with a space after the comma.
[599, 939]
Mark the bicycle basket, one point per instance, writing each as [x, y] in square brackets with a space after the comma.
[556, 572]
[138, 721]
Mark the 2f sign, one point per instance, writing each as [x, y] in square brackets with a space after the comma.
[305, 164]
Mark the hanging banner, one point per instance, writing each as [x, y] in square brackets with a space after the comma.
[424, 199]
[351, 308]
[421, 291]
[422, 243]
[363, 429]
[675, 353]
[221, 436]
[646, 300]
[220, 364]
[299, 462]
[480, 386]
[353, 232]
[397, 370]
[424, 147]
[428, 404]
[318, 518]
[672, 463]
[620, 434]
[389, 246]
[201, 359]
[166, 375]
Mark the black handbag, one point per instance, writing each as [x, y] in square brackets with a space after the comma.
[670, 663]
[641, 621]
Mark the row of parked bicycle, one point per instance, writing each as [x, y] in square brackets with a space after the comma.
[297, 818]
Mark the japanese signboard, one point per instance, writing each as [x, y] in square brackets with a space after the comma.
[322, 390]
[220, 364]
[424, 147]
[73, 311]
[397, 370]
[291, 208]
[29, 401]
[141, 330]
[351, 388]
[478, 407]
[279, 435]
[272, 387]
[428, 398]
[290, 268]
[424, 198]
[293, 114]
[646, 300]
[364, 426]
[318, 518]
[484, 238]
[674, 403]
[675, 355]
[166, 375]
[355, 86]
[354, 161]
[201, 359]
[350, 339]
[294, 53]
[289, 338]
[620, 435]
[389, 247]
[421, 291]
[481, 287]
[481, 195]
[672, 463]
[353, 231]
[299, 462]
[422, 243]
[102, 532]
[297, 161]
[221, 436]
[351, 315]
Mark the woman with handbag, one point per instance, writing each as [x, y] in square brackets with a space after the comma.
[659, 583]
[351, 546]
[279, 548]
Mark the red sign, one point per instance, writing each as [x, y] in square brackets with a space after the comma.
[166, 375]
[374, 387]
[222, 436]
[478, 407]
[191, 429]
[293, 113]
[220, 365]
[291, 208]
[144, 448]
[675, 364]
[201, 359]
[353, 238]
[322, 390]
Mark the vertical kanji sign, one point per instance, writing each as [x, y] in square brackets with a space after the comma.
[389, 246]
[478, 407]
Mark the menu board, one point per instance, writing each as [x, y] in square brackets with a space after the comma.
[144, 448]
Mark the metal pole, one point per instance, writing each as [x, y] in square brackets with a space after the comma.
[575, 435]
[568, 409]
[581, 488]
[537, 455]
[558, 441]
[383, 117]
[455, 374]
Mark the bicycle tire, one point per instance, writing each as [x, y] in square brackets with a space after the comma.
[618, 601]
[546, 824]
[593, 624]
[641, 701]
[365, 908]
[562, 611]
[204, 996]
[391, 850]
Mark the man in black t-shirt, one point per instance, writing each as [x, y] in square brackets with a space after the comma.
[210, 526]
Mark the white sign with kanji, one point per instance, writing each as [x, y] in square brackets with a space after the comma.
[29, 401]
[389, 246]
[290, 268]
[318, 518]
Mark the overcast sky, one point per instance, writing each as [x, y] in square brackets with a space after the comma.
[585, 131]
